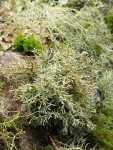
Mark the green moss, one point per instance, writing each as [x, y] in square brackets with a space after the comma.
[109, 20]
[1, 85]
[104, 131]
[19, 43]
[27, 45]
[49, 147]
[31, 44]
[76, 3]
[98, 50]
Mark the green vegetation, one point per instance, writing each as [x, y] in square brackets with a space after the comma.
[19, 43]
[1, 85]
[27, 45]
[104, 131]
[109, 20]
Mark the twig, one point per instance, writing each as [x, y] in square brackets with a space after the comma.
[53, 143]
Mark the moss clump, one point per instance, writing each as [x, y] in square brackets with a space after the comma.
[109, 20]
[49, 147]
[99, 49]
[104, 130]
[1, 85]
[31, 44]
[76, 3]
[19, 43]
[27, 45]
